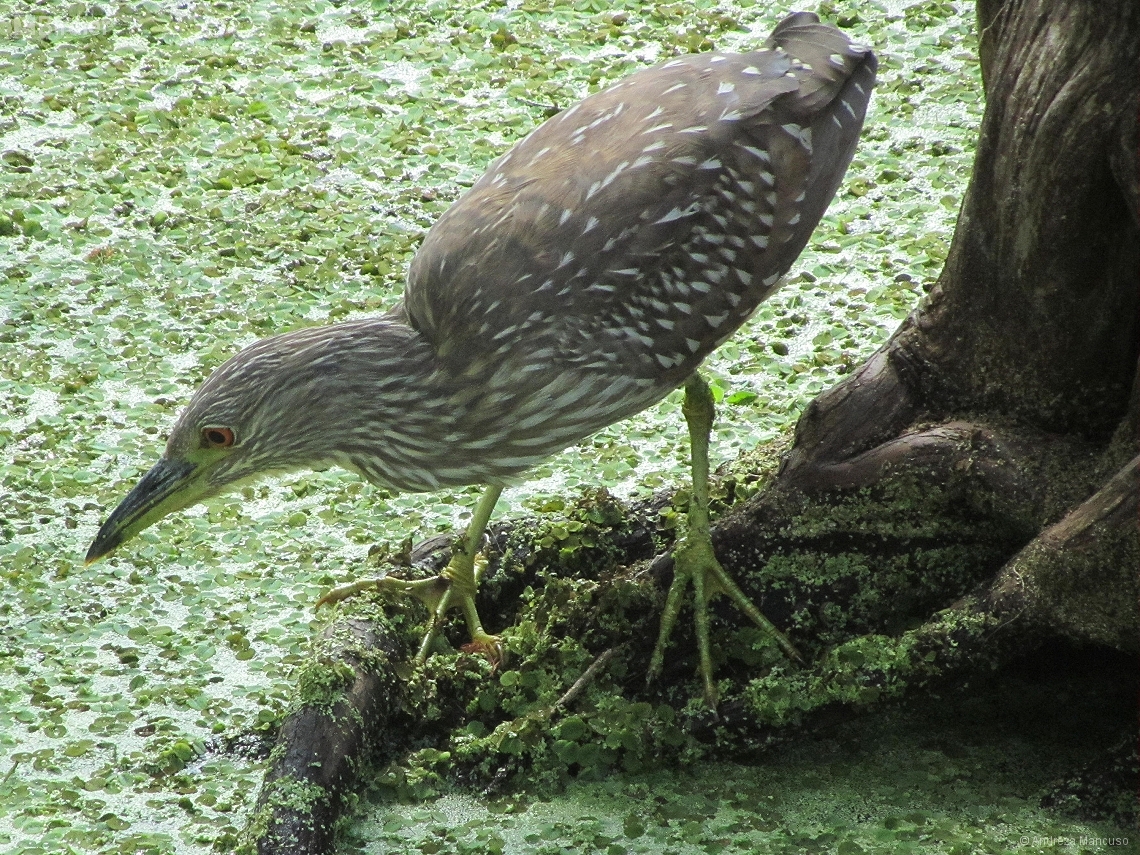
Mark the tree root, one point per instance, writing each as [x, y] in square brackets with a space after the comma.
[1079, 577]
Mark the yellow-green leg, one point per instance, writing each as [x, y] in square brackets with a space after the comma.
[454, 586]
[694, 559]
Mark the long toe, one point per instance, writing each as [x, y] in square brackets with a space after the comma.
[343, 592]
[724, 584]
[694, 561]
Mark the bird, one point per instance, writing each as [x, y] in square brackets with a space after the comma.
[580, 280]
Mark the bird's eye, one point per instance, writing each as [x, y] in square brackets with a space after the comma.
[217, 437]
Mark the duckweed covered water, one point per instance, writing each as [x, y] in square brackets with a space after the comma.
[181, 177]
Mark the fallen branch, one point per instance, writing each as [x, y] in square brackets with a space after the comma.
[350, 695]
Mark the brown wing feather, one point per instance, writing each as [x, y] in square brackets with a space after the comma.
[638, 229]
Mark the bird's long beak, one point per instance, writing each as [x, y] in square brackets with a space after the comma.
[169, 486]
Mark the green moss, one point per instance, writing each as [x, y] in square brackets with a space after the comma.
[579, 541]
[323, 682]
[283, 797]
[877, 562]
[510, 730]
[950, 774]
[1091, 589]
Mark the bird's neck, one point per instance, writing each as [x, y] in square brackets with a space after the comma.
[396, 414]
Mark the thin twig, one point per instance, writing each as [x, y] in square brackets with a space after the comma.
[547, 109]
[582, 682]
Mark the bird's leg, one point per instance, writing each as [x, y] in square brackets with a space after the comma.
[455, 585]
[462, 576]
[694, 559]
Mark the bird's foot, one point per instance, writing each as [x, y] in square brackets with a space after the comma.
[695, 561]
[461, 577]
[455, 586]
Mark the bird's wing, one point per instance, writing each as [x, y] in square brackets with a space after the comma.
[643, 225]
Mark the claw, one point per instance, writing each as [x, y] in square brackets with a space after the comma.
[488, 646]
[454, 586]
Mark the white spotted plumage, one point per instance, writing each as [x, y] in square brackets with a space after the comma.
[585, 276]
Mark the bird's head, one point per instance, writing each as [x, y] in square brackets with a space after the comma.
[278, 405]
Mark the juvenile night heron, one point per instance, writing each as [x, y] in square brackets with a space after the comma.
[580, 280]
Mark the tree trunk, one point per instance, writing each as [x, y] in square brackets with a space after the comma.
[1032, 332]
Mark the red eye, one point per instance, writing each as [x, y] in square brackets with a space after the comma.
[217, 437]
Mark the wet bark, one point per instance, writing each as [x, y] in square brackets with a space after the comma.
[1033, 329]
[350, 698]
